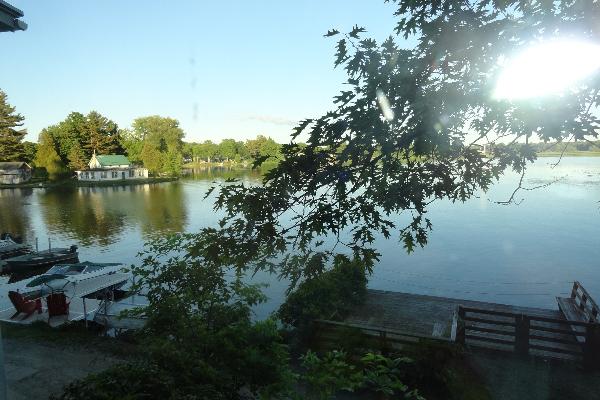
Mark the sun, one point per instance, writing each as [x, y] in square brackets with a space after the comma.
[548, 68]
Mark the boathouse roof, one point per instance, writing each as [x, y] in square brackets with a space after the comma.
[13, 166]
[112, 160]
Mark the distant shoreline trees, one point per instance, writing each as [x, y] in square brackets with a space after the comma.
[232, 151]
[154, 141]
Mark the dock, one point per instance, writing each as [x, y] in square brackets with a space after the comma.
[84, 300]
[425, 315]
[394, 319]
[110, 315]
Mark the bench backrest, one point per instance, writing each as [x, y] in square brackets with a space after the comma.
[585, 303]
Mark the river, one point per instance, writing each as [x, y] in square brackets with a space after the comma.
[523, 254]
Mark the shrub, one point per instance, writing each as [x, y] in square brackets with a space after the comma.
[335, 371]
[327, 295]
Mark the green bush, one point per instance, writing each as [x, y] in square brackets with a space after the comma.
[139, 381]
[335, 372]
[331, 294]
[440, 371]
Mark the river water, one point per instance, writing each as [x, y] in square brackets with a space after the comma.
[522, 254]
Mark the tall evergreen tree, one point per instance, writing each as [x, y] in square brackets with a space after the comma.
[29, 152]
[11, 148]
[102, 135]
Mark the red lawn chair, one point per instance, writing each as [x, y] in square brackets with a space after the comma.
[24, 306]
[57, 304]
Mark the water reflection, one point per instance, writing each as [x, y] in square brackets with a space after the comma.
[222, 173]
[100, 215]
[164, 210]
[14, 215]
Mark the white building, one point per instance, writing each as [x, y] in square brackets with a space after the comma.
[111, 168]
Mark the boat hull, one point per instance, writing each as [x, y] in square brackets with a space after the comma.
[14, 252]
[36, 261]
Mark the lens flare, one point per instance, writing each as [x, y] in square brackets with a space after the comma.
[384, 105]
[549, 68]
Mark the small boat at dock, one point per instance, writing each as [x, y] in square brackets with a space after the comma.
[62, 276]
[9, 247]
[40, 259]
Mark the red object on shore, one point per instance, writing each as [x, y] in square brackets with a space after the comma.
[57, 304]
[23, 306]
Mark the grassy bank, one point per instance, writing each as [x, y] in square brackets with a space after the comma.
[71, 334]
[569, 154]
[37, 183]
[126, 182]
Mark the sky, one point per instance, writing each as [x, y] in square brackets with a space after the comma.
[224, 69]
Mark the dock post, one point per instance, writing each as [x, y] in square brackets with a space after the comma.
[522, 334]
[460, 326]
[85, 313]
[591, 348]
[383, 342]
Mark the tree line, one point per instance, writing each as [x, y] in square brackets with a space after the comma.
[155, 142]
[231, 150]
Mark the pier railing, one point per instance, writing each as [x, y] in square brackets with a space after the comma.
[384, 337]
[523, 333]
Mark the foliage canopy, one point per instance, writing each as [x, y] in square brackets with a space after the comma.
[78, 136]
[404, 133]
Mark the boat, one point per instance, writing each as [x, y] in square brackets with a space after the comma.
[64, 277]
[9, 247]
[39, 259]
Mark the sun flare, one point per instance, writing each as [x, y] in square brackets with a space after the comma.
[547, 69]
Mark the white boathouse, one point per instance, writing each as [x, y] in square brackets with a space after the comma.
[111, 167]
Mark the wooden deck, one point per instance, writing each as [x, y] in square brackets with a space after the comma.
[525, 330]
[424, 315]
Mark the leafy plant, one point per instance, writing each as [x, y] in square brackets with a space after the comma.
[325, 294]
[330, 374]
[199, 325]
[335, 371]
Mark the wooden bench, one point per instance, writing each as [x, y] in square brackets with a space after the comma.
[580, 307]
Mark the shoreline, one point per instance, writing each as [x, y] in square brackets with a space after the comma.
[75, 183]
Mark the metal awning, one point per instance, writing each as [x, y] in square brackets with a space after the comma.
[9, 18]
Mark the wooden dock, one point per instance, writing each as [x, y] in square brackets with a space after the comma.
[401, 318]
[425, 315]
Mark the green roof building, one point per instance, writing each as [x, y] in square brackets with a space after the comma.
[109, 161]
[111, 167]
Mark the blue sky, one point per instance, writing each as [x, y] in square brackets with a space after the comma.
[222, 68]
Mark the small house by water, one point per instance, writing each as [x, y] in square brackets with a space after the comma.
[111, 167]
[14, 172]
